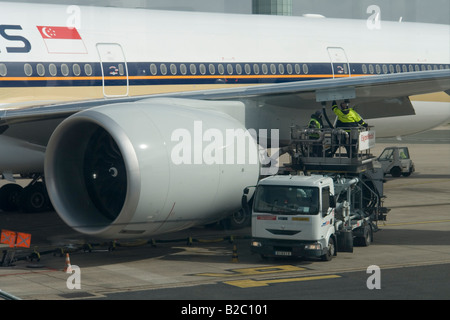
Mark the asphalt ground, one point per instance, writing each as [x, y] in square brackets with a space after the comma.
[416, 234]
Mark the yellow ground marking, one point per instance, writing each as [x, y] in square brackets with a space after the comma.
[253, 271]
[248, 283]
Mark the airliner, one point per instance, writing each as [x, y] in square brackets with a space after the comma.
[91, 99]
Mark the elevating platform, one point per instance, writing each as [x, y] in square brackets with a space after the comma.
[345, 150]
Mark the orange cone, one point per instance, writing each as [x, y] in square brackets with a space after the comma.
[68, 268]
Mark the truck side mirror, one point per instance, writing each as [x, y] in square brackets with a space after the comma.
[244, 201]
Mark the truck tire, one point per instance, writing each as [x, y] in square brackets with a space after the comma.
[331, 250]
[396, 172]
[407, 174]
[238, 220]
[366, 239]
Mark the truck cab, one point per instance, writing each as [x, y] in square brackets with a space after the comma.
[294, 216]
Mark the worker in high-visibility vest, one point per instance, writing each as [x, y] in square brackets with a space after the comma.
[316, 123]
[348, 118]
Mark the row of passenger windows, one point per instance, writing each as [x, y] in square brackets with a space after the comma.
[214, 69]
[52, 70]
[371, 69]
[228, 69]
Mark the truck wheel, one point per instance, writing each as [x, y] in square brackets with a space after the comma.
[331, 250]
[396, 172]
[366, 239]
[237, 220]
[407, 174]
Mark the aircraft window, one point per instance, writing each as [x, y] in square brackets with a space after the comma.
[411, 68]
[153, 69]
[398, 68]
[183, 69]
[221, 69]
[40, 69]
[441, 67]
[88, 69]
[238, 69]
[28, 69]
[435, 67]
[391, 68]
[173, 69]
[305, 69]
[64, 69]
[424, 67]
[230, 69]
[193, 69]
[289, 68]
[256, 68]
[281, 68]
[297, 68]
[3, 70]
[52, 69]
[364, 69]
[345, 68]
[273, 69]
[371, 70]
[212, 69]
[265, 70]
[416, 68]
[404, 68]
[202, 69]
[378, 68]
[77, 70]
[163, 69]
[247, 69]
[385, 68]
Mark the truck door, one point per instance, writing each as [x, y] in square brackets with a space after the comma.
[326, 210]
[114, 70]
[339, 62]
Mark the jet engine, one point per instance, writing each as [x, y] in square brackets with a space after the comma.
[144, 168]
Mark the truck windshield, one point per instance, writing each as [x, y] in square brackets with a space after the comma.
[286, 200]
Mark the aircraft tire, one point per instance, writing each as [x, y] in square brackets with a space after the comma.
[9, 196]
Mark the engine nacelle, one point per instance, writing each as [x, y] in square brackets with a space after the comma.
[139, 169]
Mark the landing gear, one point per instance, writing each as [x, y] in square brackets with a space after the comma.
[31, 199]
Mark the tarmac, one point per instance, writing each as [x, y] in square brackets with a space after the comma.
[416, 233]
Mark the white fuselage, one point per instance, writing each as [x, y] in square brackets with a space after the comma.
[120, 52]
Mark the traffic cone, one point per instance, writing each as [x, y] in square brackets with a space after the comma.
[235, 256]
[68, 268]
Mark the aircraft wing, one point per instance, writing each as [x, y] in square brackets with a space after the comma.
[375, 96]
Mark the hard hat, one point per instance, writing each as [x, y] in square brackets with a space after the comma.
[344, 105]
[318, 113]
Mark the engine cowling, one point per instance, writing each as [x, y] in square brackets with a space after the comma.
[123, 170]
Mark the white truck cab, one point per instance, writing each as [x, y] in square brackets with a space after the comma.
[294, 216]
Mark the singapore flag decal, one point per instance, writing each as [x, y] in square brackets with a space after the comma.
[62, 39]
